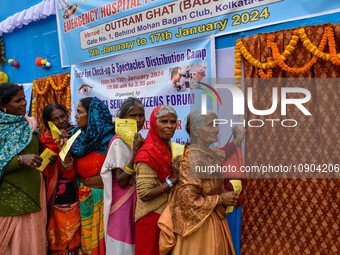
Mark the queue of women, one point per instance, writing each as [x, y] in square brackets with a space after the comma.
[106, 197]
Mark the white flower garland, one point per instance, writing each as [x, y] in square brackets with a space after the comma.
[39, 11]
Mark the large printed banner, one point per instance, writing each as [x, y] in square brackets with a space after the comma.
[94, 29]
[160, 76]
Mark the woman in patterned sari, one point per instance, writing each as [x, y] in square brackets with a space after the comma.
[63, 227]
[119, 184]
[22, 187]
[194, 222]
[88, 155]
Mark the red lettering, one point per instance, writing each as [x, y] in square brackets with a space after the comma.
[102, 11]
[146, 124]
[187, 4]
[119, 5]
[179, 125]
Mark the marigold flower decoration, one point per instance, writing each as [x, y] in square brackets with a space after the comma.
[279, 59]
[62, 84]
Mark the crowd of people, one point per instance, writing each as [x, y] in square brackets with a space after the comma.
[106, 197]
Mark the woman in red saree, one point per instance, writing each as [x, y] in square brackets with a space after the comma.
[63, 224]
[155, 176]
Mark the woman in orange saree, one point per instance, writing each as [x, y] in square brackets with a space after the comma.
[63, 224]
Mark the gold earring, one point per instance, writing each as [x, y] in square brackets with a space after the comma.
[5, 110]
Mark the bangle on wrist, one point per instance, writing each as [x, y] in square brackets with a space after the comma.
[169, 182]
[128, 170]
[19, 160]
[67, 165]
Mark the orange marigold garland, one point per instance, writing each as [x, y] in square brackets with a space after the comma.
[262, 66]
[269, 70]
[238, 65]
[62, 84]
[36, 88]
[279, 59]
[334, 58]
[34, 106]
[68, 98]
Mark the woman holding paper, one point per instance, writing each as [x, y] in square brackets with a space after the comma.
[63, 227]
[118, 177]
[22, 187]
[88, 154]
[155, 176]
[194, 222]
